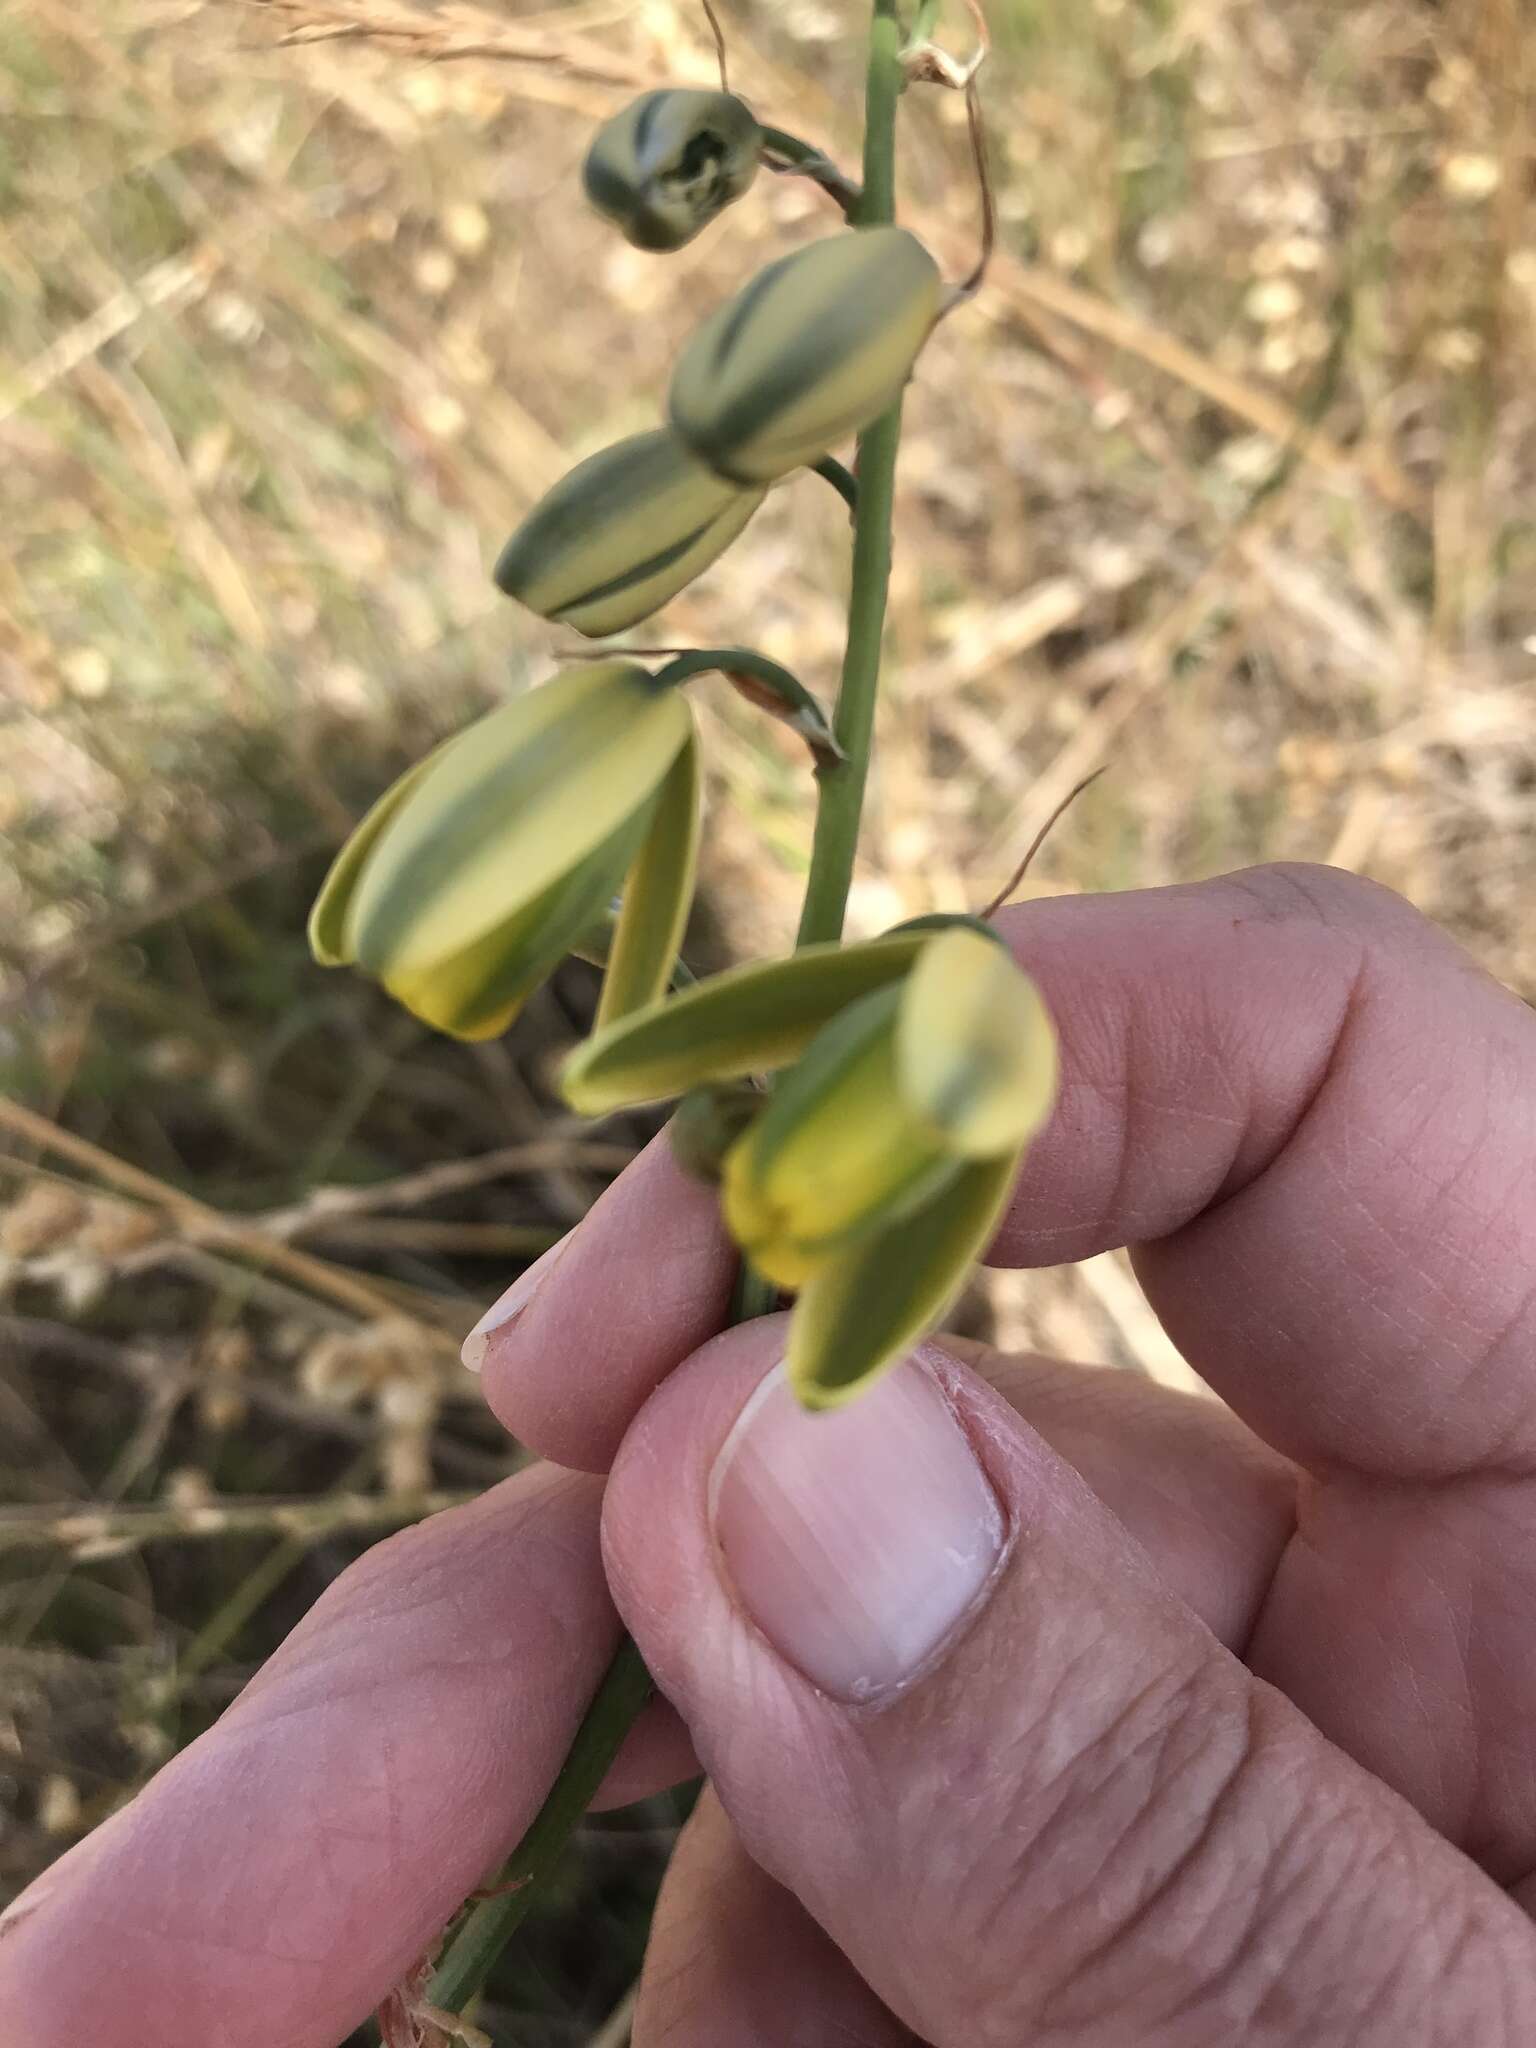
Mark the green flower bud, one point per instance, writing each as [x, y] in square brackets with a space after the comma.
[955, 1062]
[664, 167]
[835, 1154]
[812, 350]
[471, 879]
[913, 1070]
[971, 1078]
[622, 533]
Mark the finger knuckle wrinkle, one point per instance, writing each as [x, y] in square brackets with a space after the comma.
[1372, 1935]
[1252, 1894]
[1124, 1850]
[1182, 1827]
[1190, 1855]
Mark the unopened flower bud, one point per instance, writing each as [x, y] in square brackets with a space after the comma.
[836, 1153]
[664, 167]
[622, 533]
[812, 350]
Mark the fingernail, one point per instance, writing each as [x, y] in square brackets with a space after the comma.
[510, 1306]
[858, 1541]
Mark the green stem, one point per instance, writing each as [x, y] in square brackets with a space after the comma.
[842, 786]
[842, 480]
[627, 1687]
[883, 84]
[615, 1707]
[805, 160]
[763, 683]
[752, 1296]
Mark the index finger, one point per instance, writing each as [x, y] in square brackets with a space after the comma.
[1314, 1119]
[276, 1879]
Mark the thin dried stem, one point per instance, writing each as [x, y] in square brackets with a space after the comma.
[437, 1234]
[615, 2030]
[88, 1533]
[925, 63]
[1037, 842]
[331, 1206]
[160, 1375]
[198, 1222]
[976, 126]
[719, 35]
[450, 34]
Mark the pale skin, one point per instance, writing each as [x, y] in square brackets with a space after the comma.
[1235, 1741]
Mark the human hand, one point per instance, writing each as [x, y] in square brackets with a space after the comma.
[1035, 1797]
[1043, 1706]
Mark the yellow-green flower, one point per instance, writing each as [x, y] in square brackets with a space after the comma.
[670, 161]
[812, 350]
[912, 1072]
[471, 879]
[622, 533]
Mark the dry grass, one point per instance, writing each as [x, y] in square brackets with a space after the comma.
[1227, 481]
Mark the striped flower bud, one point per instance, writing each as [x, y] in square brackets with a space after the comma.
[471, 879]
[812, 350]
[664, 167]
[913, 1071]
[623, 532]
[837, 1151]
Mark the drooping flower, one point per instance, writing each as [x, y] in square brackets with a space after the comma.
[469, 880]
[912, 1072]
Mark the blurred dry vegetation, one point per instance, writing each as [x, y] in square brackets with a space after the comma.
[1229, 480]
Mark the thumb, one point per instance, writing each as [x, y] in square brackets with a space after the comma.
[947, 1702]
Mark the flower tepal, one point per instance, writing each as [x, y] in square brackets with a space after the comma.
[621, 533]
[813, 349]
[836, 1150]
[473, 876]
[912, 1072]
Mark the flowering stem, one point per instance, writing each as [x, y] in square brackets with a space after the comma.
[841, 785]
[627, 1686]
